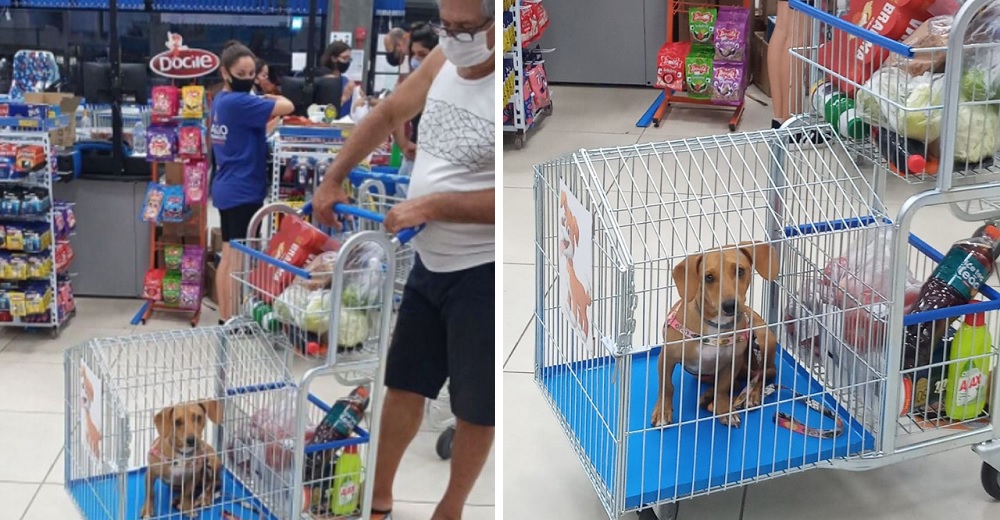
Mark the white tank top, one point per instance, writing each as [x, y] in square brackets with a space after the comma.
[455, 151]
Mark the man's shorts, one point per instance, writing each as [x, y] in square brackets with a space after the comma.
[445, 330]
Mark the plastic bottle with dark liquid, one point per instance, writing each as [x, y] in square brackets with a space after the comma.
[955, 281]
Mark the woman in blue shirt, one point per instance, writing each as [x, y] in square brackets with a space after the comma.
[334, 63]
[239, 146]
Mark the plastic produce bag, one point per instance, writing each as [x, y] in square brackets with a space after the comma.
[321, 269]
[353, 328]
[895, 88]
[976, 134]
[363, 276]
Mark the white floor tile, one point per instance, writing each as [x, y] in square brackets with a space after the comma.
[544, 145]
[105, 313]
[35, 387]
[40, 347]
[15, 499]
[522, 359]
[423, 476]
[31, 443]
[57, 473]
[519, 226]
[518, 302]
[598, 109]
[52, 502]
[417, 511]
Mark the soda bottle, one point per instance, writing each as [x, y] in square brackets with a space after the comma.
[839, 111]
[343, 416]
[904, 155]
[955, 281]
[969, 369]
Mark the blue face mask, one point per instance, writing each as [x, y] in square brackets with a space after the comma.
[414, 63]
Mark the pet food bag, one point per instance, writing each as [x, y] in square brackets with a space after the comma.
[732, 32]
[296, 243]
[698, 72]
[701, 23]
[670, 65]
[728, 83]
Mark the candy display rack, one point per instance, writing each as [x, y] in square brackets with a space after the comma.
[35, 291]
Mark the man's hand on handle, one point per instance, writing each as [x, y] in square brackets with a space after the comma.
[328, 194]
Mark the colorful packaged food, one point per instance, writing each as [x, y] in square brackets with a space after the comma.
[701, 22]
[153, 205]
[192, 97]
[172, 255]
[732, 32]
[190, 295]
[172, 288]
[153, 287]
[295, 243]
[165, 103]
[173, 204]
[161, 143]
[727, 83]
[670, 65]
[191, 264]
[190, 142]
[195, 181]
[698, 74]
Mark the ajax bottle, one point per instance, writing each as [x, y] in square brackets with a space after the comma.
[838, 110]
[346, 493]
[955, 281]
[969, 369]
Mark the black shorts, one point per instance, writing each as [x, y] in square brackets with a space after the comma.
[445, 330]
[236, 220]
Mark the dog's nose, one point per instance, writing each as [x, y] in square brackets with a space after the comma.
[729, 307]
[191, 441]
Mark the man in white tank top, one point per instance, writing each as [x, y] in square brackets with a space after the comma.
[446, 324]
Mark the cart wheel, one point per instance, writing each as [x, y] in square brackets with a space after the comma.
[667, 512]
[444, 443]
[991, 481]
[519, 141]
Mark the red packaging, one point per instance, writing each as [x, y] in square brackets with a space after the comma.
[296, 243]
[153, 288]
[670, 65]
[166, 101]
[189, 142]
[856, 59]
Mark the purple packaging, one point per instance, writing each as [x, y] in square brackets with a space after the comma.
[190, 295]
[191, 264]
[728, 82]
[732, 34]
[161, 144]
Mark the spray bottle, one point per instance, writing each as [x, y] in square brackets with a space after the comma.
[969, 369]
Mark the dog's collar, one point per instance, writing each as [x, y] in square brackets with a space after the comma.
[719, 340]
[179, 455]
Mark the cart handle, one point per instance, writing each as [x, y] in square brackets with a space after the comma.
[860, 32]
[404, 235]
[395, 178]
[263, 257]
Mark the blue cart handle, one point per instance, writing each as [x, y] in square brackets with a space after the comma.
[860, 32]
[394, 178]
[263, 257]
[403, 236]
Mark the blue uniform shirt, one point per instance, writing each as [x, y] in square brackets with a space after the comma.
[239, 144]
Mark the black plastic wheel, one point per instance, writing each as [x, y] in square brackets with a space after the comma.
[668, 512]
[732, 127]
[444, 443]
[647, 514]
[991, 480]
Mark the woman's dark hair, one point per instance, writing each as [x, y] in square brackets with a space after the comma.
[332, 51]
[260, 63]
[423, 34]
[235, 52]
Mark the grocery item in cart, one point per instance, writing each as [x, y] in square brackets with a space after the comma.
[969, 369]
[838, 110]
[701, 23]
[732, 31]
[698, 72]
[905, 156]
[855, 59]
[977, 133]
[728, 82]
[295, 243]
[932, 34]
[346, 482]
[955, 281]
[338, 424]
[903, 103]
[670, 65]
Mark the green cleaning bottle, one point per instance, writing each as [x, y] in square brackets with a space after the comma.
[346, 483]
[968, 378]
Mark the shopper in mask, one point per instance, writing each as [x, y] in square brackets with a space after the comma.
[334, 63]
[397, 43]
[446, 322]
[239, 147]
[423, 40]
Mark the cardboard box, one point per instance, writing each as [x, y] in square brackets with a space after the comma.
[758, 62]
[67, 103]
[210, 291]
[215, 244]
[174, 173]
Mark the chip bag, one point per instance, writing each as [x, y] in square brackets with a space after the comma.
[296, 243]
[670, 65]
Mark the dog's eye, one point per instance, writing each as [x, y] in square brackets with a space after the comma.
[709, 278]
[197, 418]
[179, 423]
[740, 272]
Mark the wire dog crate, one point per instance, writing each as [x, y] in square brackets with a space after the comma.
[636, 243]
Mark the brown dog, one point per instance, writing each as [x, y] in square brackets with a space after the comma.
[708, 331]
[578, 297]
[182, 459]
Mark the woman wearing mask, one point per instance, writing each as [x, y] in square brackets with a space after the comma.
[423, 39]
[334, 63]
[239, 146]
[263, 84]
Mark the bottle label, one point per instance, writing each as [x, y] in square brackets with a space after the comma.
[347, 492]
[961, 271]
[969, 384]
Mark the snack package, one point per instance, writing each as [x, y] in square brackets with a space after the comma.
[14, 238]
[295, 243]
[172, 255]
[728, 83]
[698, 74]
[172, 288]
[195, 180]
[701, 22]
[161, 144]
[321, 271]
[732, 31]
[165, 102]
[153, 205]
[931, 34]
[173, 204]
[191, 264]
[192, 97]
[190, 295]
[189, 139]
[153, 287]
[64, 255]
[670, 65]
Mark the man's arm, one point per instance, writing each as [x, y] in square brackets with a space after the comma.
[407, 101]
[464, 207]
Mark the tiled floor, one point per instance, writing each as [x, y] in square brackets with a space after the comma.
[543, 477]
[31, 415]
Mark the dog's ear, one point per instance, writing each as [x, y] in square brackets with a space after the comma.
[763, 258]
[687, 276]
[164, 418]
[213, 410]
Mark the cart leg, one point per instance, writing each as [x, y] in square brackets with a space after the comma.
[660, 512]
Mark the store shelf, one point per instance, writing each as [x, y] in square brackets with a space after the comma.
[515, 105]
[28, 123]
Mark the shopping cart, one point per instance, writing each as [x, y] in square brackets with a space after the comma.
[118, 390]
[614, 228]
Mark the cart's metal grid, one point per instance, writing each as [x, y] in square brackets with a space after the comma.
[653, 205]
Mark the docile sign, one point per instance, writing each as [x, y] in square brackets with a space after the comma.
[181, 62]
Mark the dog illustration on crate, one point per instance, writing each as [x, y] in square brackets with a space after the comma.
[578, 296]
[711, 329]
[92, 432]
[182, 459]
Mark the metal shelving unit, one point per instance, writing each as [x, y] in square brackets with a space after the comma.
[513, 71]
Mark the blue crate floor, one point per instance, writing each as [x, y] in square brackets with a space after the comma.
[663, 464]
[236, 501]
